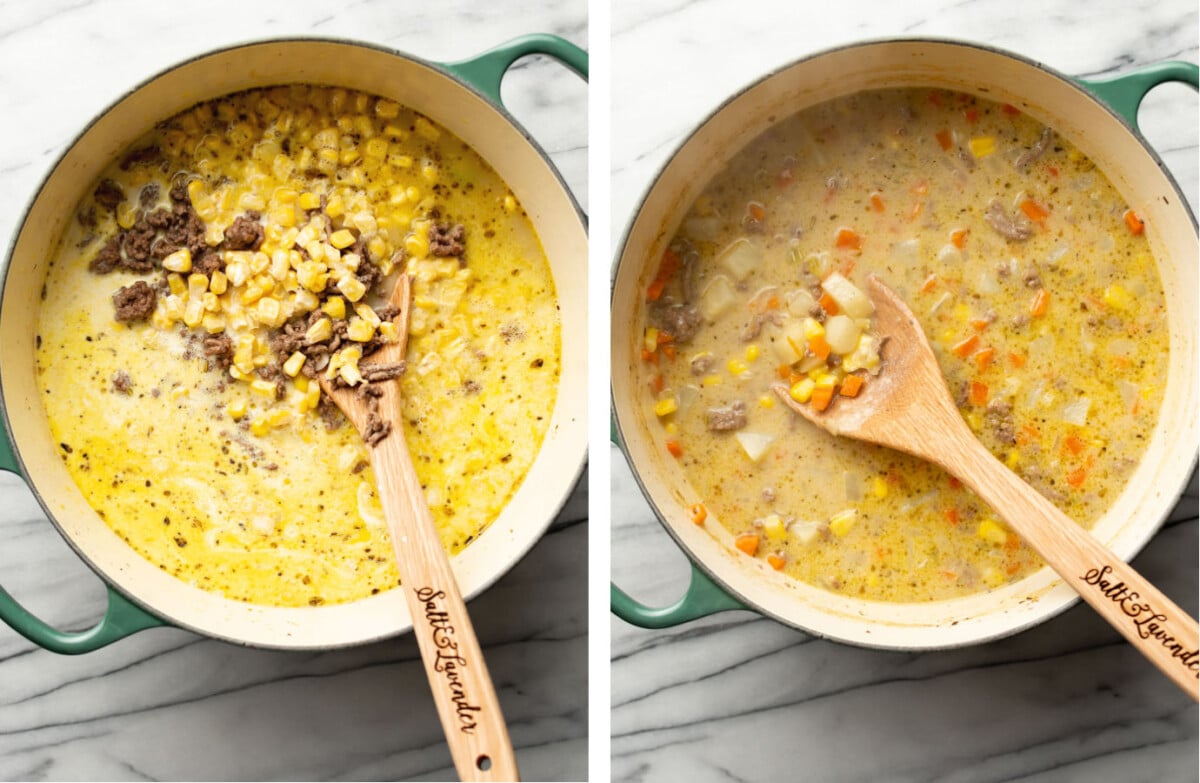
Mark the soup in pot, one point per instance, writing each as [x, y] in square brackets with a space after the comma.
[232, 257]
[1029, 273]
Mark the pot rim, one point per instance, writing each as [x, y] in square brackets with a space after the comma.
[441, 69]
[619, 431]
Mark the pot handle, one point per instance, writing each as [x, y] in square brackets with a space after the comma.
[485, 71]
[121, 619]
[702, 598]
[1124, 93]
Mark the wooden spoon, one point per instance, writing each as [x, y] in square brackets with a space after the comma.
[462, 688]
[908, 407]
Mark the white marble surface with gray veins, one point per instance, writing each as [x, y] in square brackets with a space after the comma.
[737, 697]
[167, 704]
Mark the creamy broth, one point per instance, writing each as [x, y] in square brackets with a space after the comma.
[1028, 272]
[219, 468]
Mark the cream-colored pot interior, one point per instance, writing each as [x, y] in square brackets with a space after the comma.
[1156, 483]
[413, 84]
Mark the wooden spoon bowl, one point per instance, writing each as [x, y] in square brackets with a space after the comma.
[909, 408]
[462, 688]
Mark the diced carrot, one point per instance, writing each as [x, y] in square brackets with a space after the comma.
[784, 371]
[1034, 211]
[1027, 434]
[747, 542]
[984, 357]
[935, 99]
[819, 347]
[1076, 477]
[1053, 170]
[915, 212]
[979, 393]
[670, 264]
[784, 178]
[954, 482]
[1016, 359]
[851, 385]
[773, 303]
[943, 139]
[848, 266]
[1136, 226]
[848, 238]
[967, 347]
[1014, 566]
[794, 378]
[662, 338]
[1041, 301]
[920, 187]
[674, 448]
[877, 202]
[951, 515]
[1010, 110]
[669, 352]
[1073, 443]
[756, 211]
[699, 513]
[657, 383]
[821, 397]
[929, 284]
[958, 238]
[776, 561]
[654, 291]
[1012, 542]
[979, 324]
[972, 115]
[650, 356]
[828, 304]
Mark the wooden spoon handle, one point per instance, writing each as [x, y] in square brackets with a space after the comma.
[462, 688]
[1151, 622]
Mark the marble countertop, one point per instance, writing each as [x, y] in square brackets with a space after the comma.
[167, 704]
[738, 697]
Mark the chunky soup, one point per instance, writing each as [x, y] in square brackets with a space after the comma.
[233, 256]
[1028, 272]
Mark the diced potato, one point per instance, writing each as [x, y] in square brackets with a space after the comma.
[717, 298]
[992, 532]
[801, 303]
[755, 444]
[789, 342]
[842, 333]
[741, 258]
[850, 298]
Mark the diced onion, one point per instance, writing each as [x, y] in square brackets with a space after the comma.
[1121, 346]
[949, 255]
[988, 285]
[907, 251]
[1129, 393]
[804, 531]
[686, 396]
[705, 229]
[854, 487]
[758, 303]
[755, 444]
[801, 302]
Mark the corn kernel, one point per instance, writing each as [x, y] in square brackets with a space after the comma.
[386, 109]
[388, 331]
[341, 239]
[666, 406]
[237, 270]
[213, 323]
[335, 207]
[802, 390]
[367, 313]
[263, 388]
[321, 330]
[426, 129]
[736, 366]
[1116, 297]
[260, 426]
[774, 528]
[879, 487]
[766, 401]
[841, 522]
[429, 174]
[211, 301]
[197, 285]
[352, 288]
[193, 313]
[671, 428]
[993, 577]
[510, 203]
[236, 409]
[359, 330]
[309, 200]
[990, 531]
[710, 380]
[982, 146]
[176, 284]
[218, 283]
[179, 261]
[335, 307]
[752, 352]
[293, 364]
[813, 329]
[126, 214]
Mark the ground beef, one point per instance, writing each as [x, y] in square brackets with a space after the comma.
[447, 240]
[179, 191]
[245, 233]
[998, 417]
[374, 373]
[219, 348]
[109, 257]
[186, 230]
[754, 327]
[149, 195]
[121, 382]
[109, 194]
[1032, 278]
[137, 243]
[368, 274]
[1010, 227]
[208, 261]
[702, 364]
[1036, 151]
[160, 218]
[732, 417]
[680, 321]
[377, 429]
[135, 302]
[140, 157]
